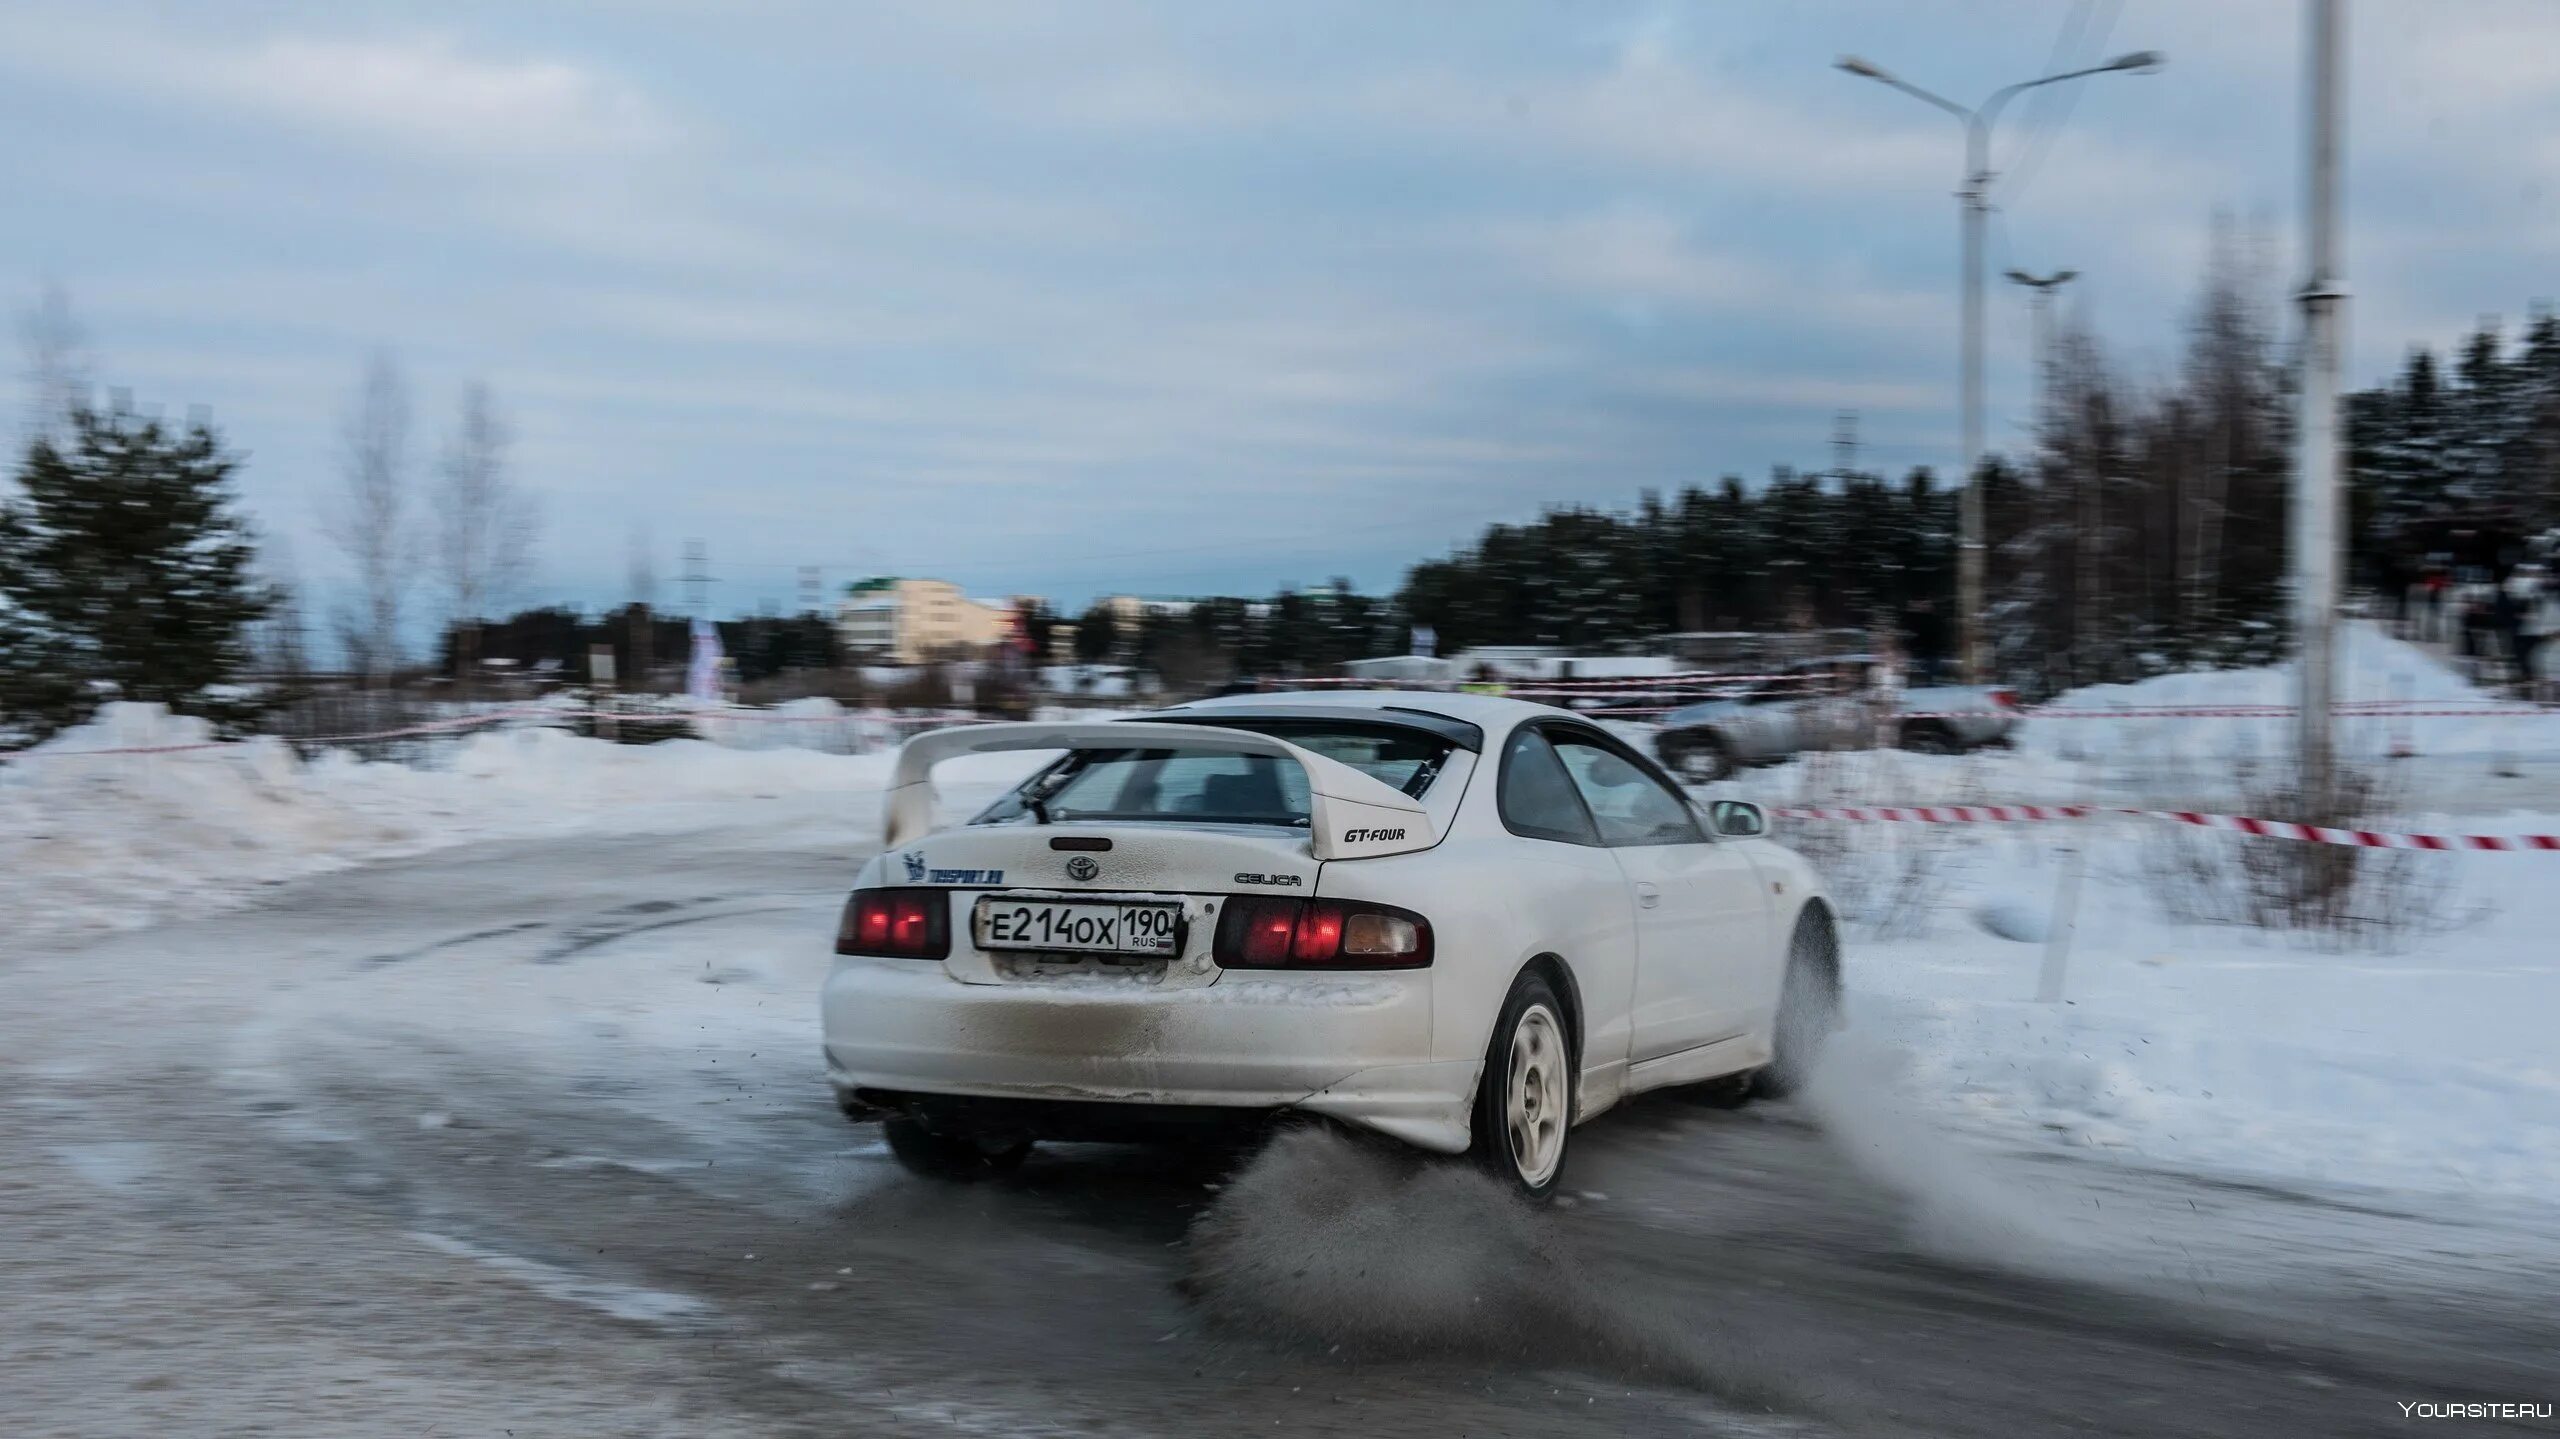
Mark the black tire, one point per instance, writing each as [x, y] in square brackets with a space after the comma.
[1808, 1006]
[1698, 759]
[950, 1154]
[1548, 1098]
[1930, 739]
[1729, 1091]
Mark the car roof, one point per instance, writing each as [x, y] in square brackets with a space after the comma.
[1486, 714]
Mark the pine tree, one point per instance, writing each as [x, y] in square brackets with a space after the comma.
[124, 573]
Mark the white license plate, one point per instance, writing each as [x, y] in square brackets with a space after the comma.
[1083, 926]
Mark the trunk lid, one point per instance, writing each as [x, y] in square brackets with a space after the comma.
[1200, 866]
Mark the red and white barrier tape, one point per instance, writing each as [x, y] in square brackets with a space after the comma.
[1694, 680]
[463, 722]
[1942, 813]
[1682, 680]
[2225, 713]
[2358, 838]
[2237, 824]
[426, 727]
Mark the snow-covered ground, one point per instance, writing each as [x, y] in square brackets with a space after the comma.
[2373, 668]
[118, 841]
[2419, 1056]
[2415, 1052]
[2429, 1067]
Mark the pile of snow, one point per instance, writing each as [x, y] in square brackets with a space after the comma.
[117, 841]
[2182, 1045]
[2372, 666]
[2426, 1067]
[815, 723]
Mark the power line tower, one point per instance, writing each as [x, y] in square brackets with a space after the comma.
[810, 592]
[697, 578]
[644, 600]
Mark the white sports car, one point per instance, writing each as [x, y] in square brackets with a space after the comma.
[1467, 922]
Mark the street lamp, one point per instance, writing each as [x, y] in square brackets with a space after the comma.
[2084, 569]
[1974, 198]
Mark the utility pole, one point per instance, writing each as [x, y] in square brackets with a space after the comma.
[2315, 471]
[1972, 521]
[1974, 199]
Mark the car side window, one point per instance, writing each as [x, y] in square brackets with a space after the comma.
[1536, 797]
[1629, 804]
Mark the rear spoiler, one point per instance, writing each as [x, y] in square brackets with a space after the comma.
[1350, 815]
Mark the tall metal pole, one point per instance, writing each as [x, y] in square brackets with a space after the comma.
[1970, 513]
[1975, 200]
[2316, 536]
[2040, 293]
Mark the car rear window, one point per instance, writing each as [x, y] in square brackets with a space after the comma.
[1209, 787]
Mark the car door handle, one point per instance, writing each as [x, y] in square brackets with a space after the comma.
[1647, 896]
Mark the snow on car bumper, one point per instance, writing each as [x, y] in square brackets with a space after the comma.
[1356, 1047]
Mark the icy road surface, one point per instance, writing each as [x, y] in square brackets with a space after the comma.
[528, 1138]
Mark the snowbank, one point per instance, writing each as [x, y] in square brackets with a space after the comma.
[2372, 666]
[2430, 1069]
[118, 841]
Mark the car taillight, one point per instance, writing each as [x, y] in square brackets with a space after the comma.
[2006, 699]
[896, 924]
[1258, 932]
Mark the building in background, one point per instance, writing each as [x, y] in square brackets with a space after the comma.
[1424, 670]
[1131, 612]
[913, 621]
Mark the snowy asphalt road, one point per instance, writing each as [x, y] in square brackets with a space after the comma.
[529, 1139]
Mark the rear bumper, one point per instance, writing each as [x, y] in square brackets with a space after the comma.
[1353, 1046]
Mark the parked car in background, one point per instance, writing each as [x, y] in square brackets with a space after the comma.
[1834, 703]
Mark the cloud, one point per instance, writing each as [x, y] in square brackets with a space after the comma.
[428, 92]
[425, 93]
[1650, 109]
[1643, 263]
[1809, 392]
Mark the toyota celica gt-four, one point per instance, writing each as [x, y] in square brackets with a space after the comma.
[1467, 922]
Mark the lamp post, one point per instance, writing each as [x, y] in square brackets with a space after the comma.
[1975, 202]
[2040, 290]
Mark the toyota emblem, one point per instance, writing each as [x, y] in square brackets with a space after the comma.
[1082, 867]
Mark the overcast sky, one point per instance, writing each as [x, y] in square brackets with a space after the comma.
[1082, 297]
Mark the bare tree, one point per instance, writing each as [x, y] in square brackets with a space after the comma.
[57, 365]
[484, 524]
[370, 521]
[282, 641]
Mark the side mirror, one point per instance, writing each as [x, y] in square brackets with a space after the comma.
[1738, 818]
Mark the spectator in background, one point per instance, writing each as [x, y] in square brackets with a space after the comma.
[2391, 576]
[2522, 601]
[1924, 639]
[2506, 618]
